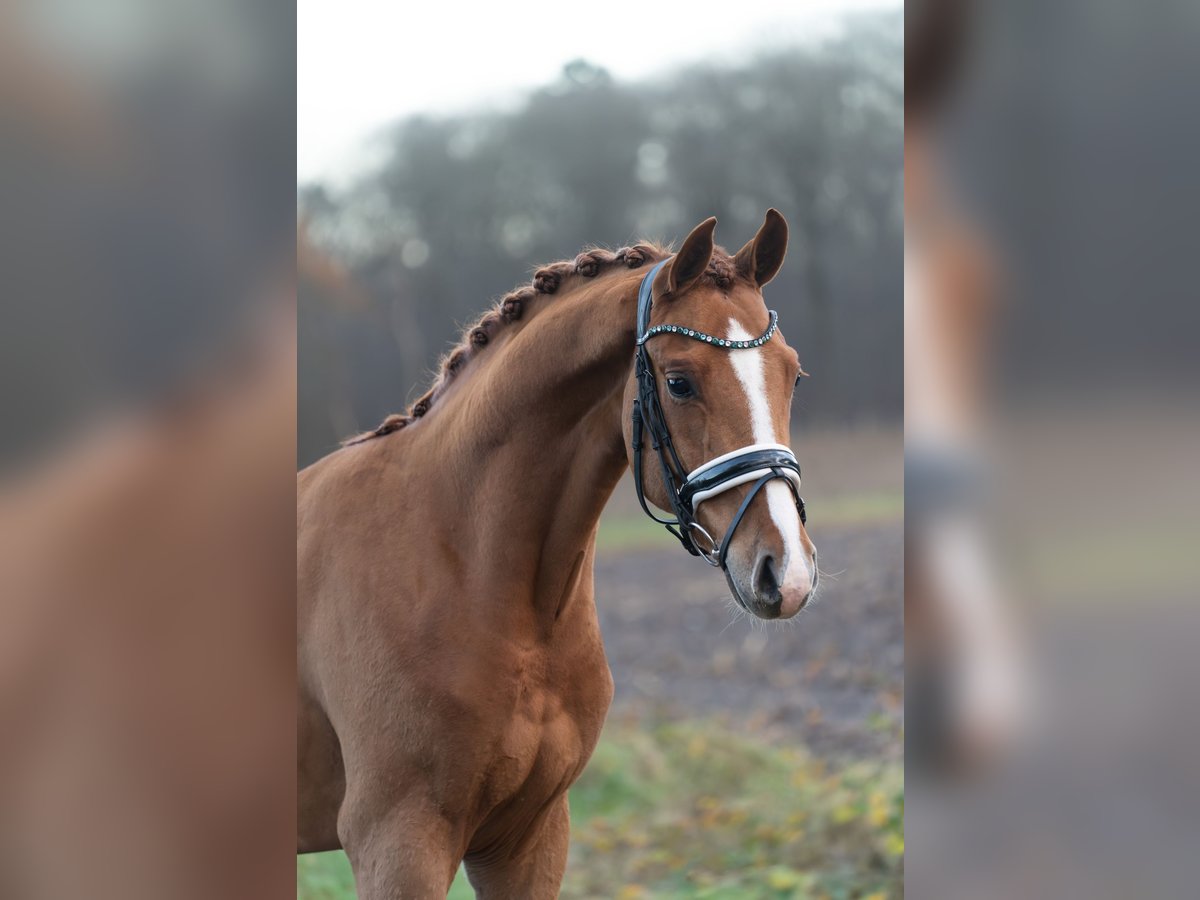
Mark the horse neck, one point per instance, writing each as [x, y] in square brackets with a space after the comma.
[535, 438]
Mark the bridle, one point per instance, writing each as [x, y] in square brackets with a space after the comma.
[756, 464]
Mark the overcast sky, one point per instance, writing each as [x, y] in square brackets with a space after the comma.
[365, 63]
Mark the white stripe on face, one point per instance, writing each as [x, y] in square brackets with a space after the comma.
[749, 366]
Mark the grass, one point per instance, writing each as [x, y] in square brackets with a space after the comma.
[693, 810]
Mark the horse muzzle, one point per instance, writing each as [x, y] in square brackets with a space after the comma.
[768, 590]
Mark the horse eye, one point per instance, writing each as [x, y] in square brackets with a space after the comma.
[679, 387]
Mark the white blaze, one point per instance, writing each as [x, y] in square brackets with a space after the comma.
[749, 366]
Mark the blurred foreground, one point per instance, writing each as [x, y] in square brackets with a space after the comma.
[1052, 436]
[147, 505]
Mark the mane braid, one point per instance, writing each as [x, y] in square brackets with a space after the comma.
[548, 279]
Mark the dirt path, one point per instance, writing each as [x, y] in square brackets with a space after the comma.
[832, 678]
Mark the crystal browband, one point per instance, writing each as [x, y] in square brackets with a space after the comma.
[709, 339]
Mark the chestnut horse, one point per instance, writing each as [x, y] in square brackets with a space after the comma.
[452, 678]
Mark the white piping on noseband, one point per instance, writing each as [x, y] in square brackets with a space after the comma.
[744, 478]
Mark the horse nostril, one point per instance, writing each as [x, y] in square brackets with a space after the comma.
[766, 581]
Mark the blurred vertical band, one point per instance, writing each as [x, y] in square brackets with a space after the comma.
[147, 382]
[1051, 438]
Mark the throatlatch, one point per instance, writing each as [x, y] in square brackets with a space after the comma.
[757, 463]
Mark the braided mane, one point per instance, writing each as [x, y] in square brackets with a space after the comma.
[511, 307]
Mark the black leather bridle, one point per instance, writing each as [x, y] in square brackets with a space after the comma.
[756, 464]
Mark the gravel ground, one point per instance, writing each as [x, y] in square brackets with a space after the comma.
[832, 678]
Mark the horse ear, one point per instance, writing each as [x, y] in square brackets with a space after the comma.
[692, 259]
[760, 259]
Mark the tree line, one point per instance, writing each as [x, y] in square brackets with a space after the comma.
[463, 206]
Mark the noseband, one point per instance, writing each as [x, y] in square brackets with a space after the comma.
[756, 464]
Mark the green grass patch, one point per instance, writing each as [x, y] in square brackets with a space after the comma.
[694, 810]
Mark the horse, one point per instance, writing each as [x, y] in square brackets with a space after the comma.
[452, 678]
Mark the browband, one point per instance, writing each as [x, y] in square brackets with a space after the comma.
[715, 341]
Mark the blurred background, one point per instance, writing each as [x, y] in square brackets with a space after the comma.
[439, 164]
[147, 490]
[463, 200]
[1051, 437]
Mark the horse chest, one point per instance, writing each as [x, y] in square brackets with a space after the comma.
[543, 748]
[548, 735]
